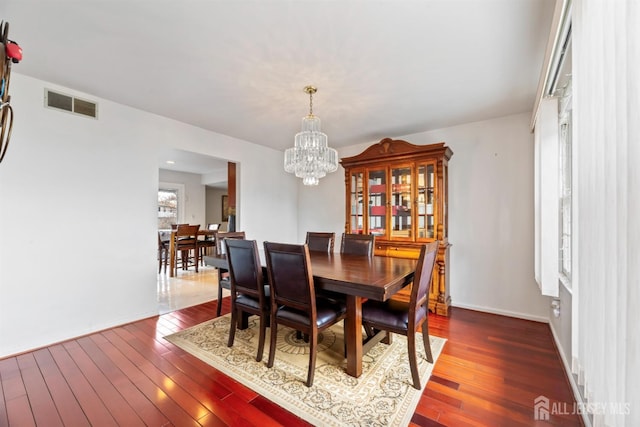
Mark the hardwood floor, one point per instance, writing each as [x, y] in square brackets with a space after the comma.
[491, 370]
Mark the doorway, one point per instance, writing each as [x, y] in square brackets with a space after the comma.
[190, 191]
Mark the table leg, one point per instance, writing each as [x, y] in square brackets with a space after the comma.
[353, 331]
[172, 255]
[243, 321]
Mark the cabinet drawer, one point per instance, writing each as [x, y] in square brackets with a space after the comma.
[397, 251]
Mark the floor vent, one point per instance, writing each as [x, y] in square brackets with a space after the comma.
[70, 103]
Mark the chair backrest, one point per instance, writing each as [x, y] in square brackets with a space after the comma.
[186, 230]
[163, 238]
[221, 236]
[418, 302]
[320, 242]
[245, 269]
[357, 244]
[290, 277]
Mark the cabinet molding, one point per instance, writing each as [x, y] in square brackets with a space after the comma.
[398, 191]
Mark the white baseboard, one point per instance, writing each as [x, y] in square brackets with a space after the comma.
[50, 340]
[574, 386]
[503, 312]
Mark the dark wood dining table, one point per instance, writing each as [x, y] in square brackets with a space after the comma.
[358, 278]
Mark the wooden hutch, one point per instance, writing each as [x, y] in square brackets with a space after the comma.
[398, 192]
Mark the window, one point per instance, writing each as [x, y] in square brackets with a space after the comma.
[167, 208]
[565, 124]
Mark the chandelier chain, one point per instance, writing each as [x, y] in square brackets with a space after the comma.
[310, 90]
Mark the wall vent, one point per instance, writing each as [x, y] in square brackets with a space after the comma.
[70, 103]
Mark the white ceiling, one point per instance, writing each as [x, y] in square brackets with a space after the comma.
[187, 161]
[238, 67]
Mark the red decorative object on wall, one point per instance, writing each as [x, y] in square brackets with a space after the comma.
[10, 53]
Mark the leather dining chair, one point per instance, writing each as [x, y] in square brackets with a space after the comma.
[320, 242]
[405, 318]
[249, 292]
[223, 275]
[357, 244]
[186, 244]
[293, 299]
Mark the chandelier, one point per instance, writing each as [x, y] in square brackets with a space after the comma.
[310, 158]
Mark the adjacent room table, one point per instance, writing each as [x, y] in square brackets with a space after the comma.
[358, 278]
[172, 247]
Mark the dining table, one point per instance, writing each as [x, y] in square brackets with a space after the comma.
[172, 247]
[358, 278]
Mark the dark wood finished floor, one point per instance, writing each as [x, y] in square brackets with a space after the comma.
[491, 370]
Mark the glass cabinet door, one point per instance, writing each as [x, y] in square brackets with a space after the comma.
[401, 202]
[377, 197]
[356, 196]
[445, 199]
[426, 201]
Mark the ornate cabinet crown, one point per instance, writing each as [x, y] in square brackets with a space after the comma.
[398, 192]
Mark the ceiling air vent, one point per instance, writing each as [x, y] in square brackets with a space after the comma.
[70, 103]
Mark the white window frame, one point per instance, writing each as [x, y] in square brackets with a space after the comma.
[180, 190]
[547, 198]
[565, 210]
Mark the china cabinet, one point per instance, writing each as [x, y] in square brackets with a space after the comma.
[398, 191]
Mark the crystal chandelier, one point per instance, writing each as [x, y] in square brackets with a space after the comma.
[310, 158]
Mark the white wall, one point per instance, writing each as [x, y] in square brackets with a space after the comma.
[78, 205]
[490, 213]
[78, 201]
[213, 199]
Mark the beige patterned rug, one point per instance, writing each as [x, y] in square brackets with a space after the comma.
[381, 396]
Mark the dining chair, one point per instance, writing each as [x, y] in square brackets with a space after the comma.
[163, 251]
[208, 242]
[249, 291]
[186, 244]
[293, 299]
[320, 242]
[223, 274]
[357, 244]
[405, 318]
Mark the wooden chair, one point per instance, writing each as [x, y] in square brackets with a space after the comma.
[249, 292]
[293, 298]
[320, 242]
[186, 244]
[405, 318]
[223, 275]
[208, 242]
[357, 244]
[163, 251]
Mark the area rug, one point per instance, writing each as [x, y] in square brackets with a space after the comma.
[381, 396]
